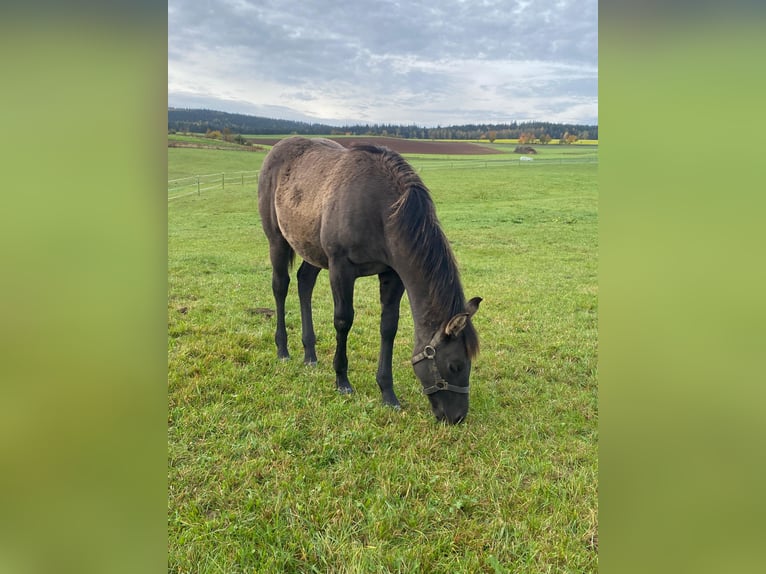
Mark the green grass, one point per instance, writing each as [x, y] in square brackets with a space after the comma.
[270, 470]
[205, 141]
[183, 162]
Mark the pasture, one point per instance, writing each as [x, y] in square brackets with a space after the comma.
[270, 470]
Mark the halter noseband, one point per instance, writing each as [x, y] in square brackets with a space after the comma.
[439, 384]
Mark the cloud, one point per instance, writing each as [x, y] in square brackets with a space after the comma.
[388, 61]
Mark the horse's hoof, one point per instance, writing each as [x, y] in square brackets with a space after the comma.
[284, 358]
[310, 363]
[390, 400]
[349, 390]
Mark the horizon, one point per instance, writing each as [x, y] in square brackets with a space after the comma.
[315, 122]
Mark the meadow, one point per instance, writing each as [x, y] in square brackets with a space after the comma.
[270, 470]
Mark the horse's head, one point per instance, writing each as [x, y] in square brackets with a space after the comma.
[444, 365]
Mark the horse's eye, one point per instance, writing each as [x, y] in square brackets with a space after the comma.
[456, 367]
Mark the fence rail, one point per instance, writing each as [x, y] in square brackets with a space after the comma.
[196, 184]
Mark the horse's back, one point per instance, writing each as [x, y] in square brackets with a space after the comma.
[324, 199]
[283, 164]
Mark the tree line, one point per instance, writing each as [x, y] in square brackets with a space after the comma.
[203, 121]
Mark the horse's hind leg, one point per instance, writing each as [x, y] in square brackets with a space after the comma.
[307, 277]
[342, 284]
[281, 255]
[391, 291]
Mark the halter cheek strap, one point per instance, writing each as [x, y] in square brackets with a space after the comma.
[429, 354]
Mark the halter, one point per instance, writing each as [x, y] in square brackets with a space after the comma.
[439, 384]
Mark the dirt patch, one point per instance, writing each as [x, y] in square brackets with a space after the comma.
[266, 312]
[407, 146]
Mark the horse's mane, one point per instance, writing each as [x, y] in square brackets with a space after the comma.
[413, 218]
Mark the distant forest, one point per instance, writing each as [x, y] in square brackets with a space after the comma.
[202, 121]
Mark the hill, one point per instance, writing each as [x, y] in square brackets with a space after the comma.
[201, 120]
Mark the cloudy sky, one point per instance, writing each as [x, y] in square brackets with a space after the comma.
[436, 62]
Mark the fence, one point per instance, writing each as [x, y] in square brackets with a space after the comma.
[196, 184]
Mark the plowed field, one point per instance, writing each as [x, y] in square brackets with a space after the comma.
[406, 146]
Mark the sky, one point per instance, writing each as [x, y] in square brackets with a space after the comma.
[438, 62]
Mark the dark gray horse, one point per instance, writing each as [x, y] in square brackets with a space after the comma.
[359, 212]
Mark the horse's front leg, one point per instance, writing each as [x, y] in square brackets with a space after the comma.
[307, 278]
[391, 291]
[342, 283]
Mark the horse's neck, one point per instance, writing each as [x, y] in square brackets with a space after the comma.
[425, 321]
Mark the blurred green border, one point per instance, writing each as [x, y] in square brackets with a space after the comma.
[681, 287]
[82, 296]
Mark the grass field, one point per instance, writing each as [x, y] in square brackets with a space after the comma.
[270, 470]
[183, 162]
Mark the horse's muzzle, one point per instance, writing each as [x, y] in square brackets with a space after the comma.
[450, 416]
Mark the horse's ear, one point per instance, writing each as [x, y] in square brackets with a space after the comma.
[458, 322]
[473, 305]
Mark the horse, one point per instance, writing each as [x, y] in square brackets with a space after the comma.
[363, 211]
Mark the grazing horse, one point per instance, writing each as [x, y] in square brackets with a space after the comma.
[364, 211]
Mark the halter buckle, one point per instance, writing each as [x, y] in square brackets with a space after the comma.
[429, 352]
